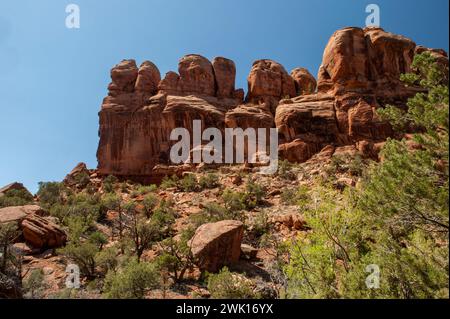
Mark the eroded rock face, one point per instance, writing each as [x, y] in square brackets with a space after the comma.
[225, 75]
[269, 79]
[365, 60]
[135, 126]
[215, 245]
[123, 77]
[148, 78]
[359, 73]
[305, 83]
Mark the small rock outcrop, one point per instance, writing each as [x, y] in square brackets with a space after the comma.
[41, 233]
[14, 186]
[215, 245]
[75, 173]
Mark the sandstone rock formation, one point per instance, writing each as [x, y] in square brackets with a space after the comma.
[71, 178]
[359, 73]
[41, 233]
[305, 83]
[215, 245]
[37, 229]
[13, 186]
[15, 214]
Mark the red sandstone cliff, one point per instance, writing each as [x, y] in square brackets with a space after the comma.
[359, 73]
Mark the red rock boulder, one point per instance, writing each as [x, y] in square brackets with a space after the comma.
[41, 233]
[216, 245]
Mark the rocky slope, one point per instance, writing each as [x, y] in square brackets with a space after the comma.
[317, 119]
[359, 73]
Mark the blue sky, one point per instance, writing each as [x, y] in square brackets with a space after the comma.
[53, 79]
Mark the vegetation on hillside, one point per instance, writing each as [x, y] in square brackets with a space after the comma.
[389, 237]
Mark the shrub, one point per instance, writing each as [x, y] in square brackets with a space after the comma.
[398, 219]
[124, 188]
[234, 201]
[10, 267]
[99, 239]
[213, 212]
[34, 284]
[16, 197]
[188, 183]
[228, 285]
[176, 258]
[209, 181]
[337, 164]
[131, 282]
[169, 182]
[144, 234]
[288, 196]
[77, 226]
[285, 170]
[356, 166]
[82, 179]
[49, 193]
[299, 196]
[254, 194]
[109, 183]
[150, 202]
[111, 202]
[83, 254]
[164, 217]
[87, 208]
[107, 259]
[261, 224]
[142, 190]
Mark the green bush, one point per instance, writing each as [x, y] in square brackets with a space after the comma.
[213, 212]
[16, 197]
[169, 182]
[83, 254]
[144, 234]
[10, 267]
[83, 179]
[131, 282]
[188, 183]
[99, 239]
[164, 217]
[261, 224]
[299, 196]
[209, 181]
[176, 257]
[285, 170]
[107, 259]
[150, 202]
[34, 284]
[49, 193]
[234, 201]
[109, 183]
[227, 285]
[356, 166]
[142, 190]
[398, 220]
